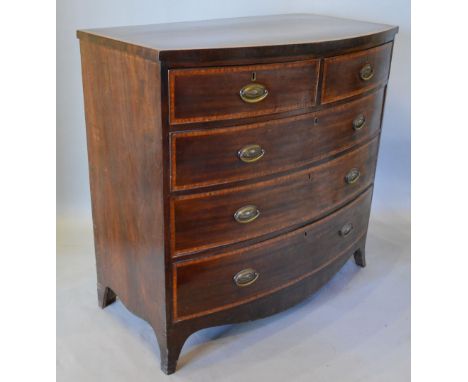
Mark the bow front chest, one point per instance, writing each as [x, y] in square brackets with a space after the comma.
[231, 163]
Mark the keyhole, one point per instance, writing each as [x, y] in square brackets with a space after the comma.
[316, 121]
[254, 76]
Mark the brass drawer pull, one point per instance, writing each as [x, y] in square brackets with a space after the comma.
[366, 72]
[352, 176]
[251, 153]
[359, 122]
[246, 277]
[247, 214]
[253, 93]
[346, 229]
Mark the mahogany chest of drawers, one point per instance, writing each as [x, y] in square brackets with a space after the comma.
[231, 163]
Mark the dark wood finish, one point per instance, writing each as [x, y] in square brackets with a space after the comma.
[192, 126]
[341, 74]
[163, 210]
[262, 307]
[205, 220]
[106, 296]
[238, 40]
[126, 174]
[360, 257]
[206, 285]
[209, 157]
[209, 94]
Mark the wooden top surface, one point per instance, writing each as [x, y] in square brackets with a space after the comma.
[244, 32]
[241, 32]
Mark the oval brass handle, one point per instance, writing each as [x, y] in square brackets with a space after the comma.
[352, 176]
[366, 72]
[246, 277]
[359, 122]
[253, 93]
[346, 229]
[246, 214]
[251, 153]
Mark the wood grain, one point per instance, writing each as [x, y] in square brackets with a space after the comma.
[125, 168]
[208, 94]
[238, 39]
[209, 157]
[206, 285]
[165, 181]
[341, 74]
[205, 220]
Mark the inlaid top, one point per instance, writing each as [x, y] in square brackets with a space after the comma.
[243, 32]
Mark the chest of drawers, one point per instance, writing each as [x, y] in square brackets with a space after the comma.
[231, 163]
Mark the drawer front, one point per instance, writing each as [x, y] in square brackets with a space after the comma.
[222, 281]
[203, 158]
[201, 221]
[209, 94]
[352, 74]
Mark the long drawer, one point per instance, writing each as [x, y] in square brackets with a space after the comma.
[209, 94]
[205, 285]
[216, 156]
[210, 219]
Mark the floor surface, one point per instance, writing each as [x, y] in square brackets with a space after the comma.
[356, 328]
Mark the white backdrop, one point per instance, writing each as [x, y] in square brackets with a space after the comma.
[392, 192]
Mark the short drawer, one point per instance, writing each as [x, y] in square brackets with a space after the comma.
[228, 279]
[210, 219]
[216, 156]
[209, 94]
[351, 74]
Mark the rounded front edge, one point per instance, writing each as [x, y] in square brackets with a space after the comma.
[180, 331]
[276, 301]
[273, 53]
